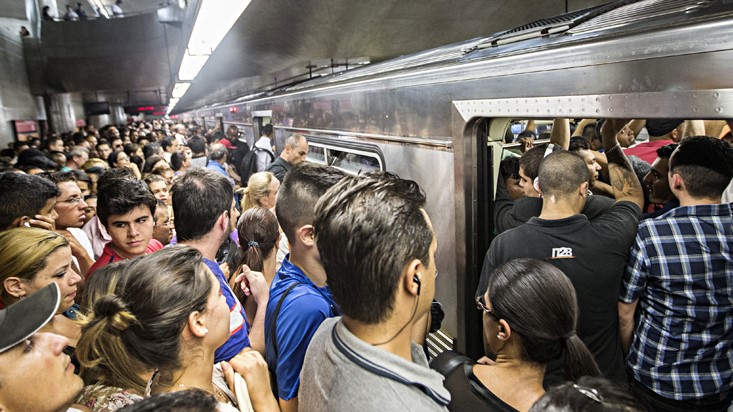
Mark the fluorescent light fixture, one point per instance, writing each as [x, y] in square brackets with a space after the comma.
[172, 104]
[214, 19]
[191, 66]
[180, 89]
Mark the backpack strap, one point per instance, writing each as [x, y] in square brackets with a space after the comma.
[273, 335]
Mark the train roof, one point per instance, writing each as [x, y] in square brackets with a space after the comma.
[615, 18]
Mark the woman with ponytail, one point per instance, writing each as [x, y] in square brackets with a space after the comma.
[113, 379]
[259, 235]
[168, 315]
[529, 317]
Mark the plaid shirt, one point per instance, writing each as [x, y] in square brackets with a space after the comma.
[681, 270]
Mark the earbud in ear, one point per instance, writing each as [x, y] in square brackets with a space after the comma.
[416, 279]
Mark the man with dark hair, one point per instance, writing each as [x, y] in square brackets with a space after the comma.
[681, 352]
[299, 297]
[238, 148]
[125, 207]
[383, 281]
[529, 165]
[582, 147]
[294, 152]
[170, 145]
[152, 149]
[71, 210]
[509, 173]
[658, 184]
[592, 254]
[27, 200]
[203, 206]
[103, 149]
[198, 151]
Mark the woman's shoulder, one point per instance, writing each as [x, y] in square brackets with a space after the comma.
[102, 398]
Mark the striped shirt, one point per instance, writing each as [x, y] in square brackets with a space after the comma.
[681, 271]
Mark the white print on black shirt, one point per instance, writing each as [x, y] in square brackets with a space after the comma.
[562, 253]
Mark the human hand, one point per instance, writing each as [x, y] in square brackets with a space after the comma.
[43, 222]
[254, 284]
[526, 144]
[253, 368]
[77, 250]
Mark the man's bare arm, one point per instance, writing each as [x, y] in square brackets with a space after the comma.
[624, 183]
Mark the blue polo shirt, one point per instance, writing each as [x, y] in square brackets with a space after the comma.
[302, 312]
[238, 327]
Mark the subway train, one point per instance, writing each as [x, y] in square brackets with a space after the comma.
[439, 117]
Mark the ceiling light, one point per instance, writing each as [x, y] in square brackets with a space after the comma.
[180, 89]
[214, 19]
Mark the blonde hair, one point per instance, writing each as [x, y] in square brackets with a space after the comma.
[138, 328]
[257, 188]
[23, 253]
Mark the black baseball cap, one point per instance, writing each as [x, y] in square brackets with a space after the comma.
[22, 319]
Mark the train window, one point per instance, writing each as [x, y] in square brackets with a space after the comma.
[353, 162]
[316, 153]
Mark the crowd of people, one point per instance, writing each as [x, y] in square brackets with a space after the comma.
[158, 264]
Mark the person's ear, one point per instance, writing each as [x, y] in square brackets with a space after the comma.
[676, 182]
[277, 241]
[584, 189]
[505, 331]
[23, 221]
[14, 287]
[306, 235]
[412, 277]
[197, 325]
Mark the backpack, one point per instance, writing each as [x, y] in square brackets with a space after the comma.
[249, 163]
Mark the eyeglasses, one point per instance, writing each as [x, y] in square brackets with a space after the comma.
[72, 200]
[480, 305]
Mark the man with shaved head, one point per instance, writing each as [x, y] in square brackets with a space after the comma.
[294, 152]
[592, 254]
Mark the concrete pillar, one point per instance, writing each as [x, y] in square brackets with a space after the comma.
[117, 114]
[99, 121]
[61, 112]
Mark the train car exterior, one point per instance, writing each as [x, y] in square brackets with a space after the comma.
[439, 117]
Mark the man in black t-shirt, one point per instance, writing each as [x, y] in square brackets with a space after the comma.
[593, 254]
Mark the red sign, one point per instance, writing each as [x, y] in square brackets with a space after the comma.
[26, 126]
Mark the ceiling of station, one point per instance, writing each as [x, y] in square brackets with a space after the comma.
[275, 40]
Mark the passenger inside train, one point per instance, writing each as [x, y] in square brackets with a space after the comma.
[308, 336]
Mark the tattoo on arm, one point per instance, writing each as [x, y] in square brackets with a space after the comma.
[624, 182]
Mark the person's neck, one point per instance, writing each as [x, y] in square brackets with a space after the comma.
[207, 245]
[686, 200]
[514, 381]
[311, 267]
[554, 208]
[269, 266]
[123, 254]
[392, 335]
[197, 373]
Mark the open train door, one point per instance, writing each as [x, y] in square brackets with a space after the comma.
[477, 151]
